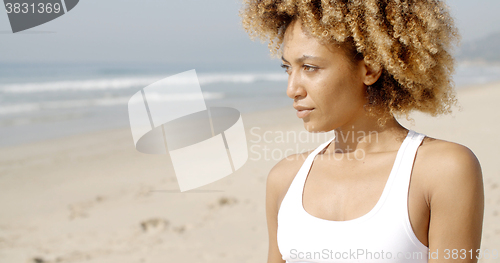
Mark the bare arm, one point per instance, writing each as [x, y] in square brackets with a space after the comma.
[456, 199]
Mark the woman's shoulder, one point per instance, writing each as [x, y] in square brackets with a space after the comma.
[443, 162]
[445, 153]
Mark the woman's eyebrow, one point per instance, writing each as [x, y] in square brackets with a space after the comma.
[301, 59]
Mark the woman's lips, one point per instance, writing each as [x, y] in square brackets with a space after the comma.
[303, 113]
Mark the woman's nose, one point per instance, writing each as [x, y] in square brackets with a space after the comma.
[295, 88]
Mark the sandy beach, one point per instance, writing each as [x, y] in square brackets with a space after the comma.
[94, 198]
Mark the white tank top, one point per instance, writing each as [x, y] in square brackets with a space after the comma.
[382, 235]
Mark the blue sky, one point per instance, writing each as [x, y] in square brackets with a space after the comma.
[180, 31]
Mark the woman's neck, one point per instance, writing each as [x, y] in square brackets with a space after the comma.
[368, 137]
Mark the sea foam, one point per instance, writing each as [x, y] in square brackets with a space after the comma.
[131, 82]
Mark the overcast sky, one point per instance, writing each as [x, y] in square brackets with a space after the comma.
[173, 31]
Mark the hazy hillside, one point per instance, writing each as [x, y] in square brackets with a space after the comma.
[486, 49]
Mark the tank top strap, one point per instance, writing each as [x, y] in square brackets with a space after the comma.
[295, 189]
[399, 189]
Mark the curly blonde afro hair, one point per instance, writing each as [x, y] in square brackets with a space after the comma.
[410, 40]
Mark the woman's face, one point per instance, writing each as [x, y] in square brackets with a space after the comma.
[327, 88]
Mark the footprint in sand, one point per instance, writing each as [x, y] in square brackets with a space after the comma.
[183, 228]
[38, 260]
[223, 201]
[158, 225]
[79, 210]
[44, 260]
[154, 225]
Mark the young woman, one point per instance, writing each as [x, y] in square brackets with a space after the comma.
[377, 192]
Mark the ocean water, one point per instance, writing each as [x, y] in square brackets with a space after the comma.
[39, 102]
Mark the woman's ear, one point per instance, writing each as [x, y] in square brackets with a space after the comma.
[371, 73]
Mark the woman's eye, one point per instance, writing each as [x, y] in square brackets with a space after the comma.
[285, 67]
[309, 68]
